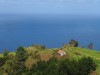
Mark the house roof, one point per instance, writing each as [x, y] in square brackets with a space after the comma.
[60, 52]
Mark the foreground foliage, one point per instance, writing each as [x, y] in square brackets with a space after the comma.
[15, 65]
[83, 66]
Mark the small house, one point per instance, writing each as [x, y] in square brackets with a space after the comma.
[61, 52]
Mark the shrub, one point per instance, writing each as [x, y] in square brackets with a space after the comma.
[73, 43]
[84, 66]
[2, 61]
[41, 47]
[90, 46]
[68, 67]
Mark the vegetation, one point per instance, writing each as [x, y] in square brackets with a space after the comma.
[38, 60]
[72, 43]
[84, 66]
[90, 46]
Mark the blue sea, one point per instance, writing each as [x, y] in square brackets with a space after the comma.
[49, 30]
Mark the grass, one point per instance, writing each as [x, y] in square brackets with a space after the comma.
[85, 52]
[77, 53]
[74, 52]
[98, 69]
[1, 55]
[98, 65]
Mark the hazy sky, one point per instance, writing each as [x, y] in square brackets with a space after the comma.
[91, 7]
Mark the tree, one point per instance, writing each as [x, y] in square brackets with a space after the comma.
[5, 53]
[86, 66]
[83, 66]
[90, 46]
[21, 56]
[2, 61]
[73, 43]
[4, 58]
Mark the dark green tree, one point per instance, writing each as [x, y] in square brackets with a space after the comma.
[21, 56]
[4, 58]
[68, 67]
[90, 46]
[5, 54]
[2, 61]
[86, 66]
[73, 43]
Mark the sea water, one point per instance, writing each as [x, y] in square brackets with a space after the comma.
[50, 30]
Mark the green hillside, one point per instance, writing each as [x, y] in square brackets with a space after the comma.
[71, 52]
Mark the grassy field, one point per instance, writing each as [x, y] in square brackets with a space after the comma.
[73, 52]
[80, 52]
[1, 55]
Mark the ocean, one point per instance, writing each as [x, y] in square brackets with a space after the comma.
[50, 30]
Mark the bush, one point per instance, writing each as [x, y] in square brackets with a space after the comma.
[2, 61]
[84, 66]
[68, 67]
[73, 43]
[41, 47]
